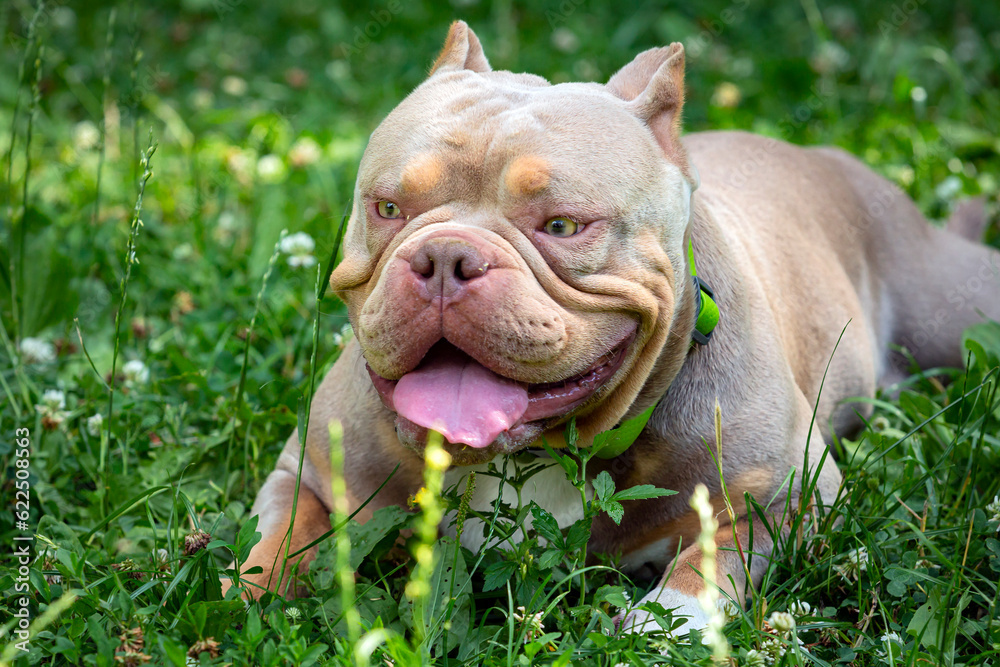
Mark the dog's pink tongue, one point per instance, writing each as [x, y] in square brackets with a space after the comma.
[455, 395]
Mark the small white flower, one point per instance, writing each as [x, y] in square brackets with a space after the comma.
[893, 644]
[271, 169]
[773, 650]
[857, 562]
[949, 188]
[51, 407]
[234, 85]
[993, 510]
[299, 248]
[782, 621]
[136, 372]
[533, 621]
[85, 136]
[858, 558]
[53, 399]
[94, 423]
[305, 261]
[191, 662]
[304, 152]
[800, 608]
[37, 351]
[293, 614]
[755, 659]
[918, 94]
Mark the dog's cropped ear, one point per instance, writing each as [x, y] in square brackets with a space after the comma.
[653, 86]
[462, 50]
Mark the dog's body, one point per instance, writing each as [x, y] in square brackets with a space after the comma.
[796, 243]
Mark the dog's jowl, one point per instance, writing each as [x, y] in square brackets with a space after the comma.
[521, 253]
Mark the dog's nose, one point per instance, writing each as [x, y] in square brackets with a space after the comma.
[447, 265]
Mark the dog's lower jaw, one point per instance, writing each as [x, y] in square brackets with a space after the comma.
[513, 440]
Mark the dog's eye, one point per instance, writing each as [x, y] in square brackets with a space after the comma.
[389, 210]
[562, 227]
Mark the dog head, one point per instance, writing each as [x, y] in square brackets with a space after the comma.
[514, 255]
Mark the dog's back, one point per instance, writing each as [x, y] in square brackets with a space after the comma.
[837, 243]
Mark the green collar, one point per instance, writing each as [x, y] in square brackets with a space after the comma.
[708, 310]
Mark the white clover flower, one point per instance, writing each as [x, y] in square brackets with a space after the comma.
[304, 152]
[755, 659]
[857, 562]
[54, 399]
[94, 423]
[37, 351]
[305, 261]
[773, 650]
[51, 407]
[136, 372]
[800, 608]
[949, 188]
[86, 136]
[299, 248]
[993, 510]
[234, 85]
[293, 614]
[533, 621]
[918, 94]
[858, 558]
[782, 621]
[893, 644]
[271, 169]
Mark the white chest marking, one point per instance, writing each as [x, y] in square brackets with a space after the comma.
[549, 488]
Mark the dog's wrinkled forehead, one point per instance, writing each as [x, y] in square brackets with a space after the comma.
[481, 127]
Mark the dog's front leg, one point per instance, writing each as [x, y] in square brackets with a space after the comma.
[274, 509]
[683, 583]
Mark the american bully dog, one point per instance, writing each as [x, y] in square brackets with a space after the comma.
[521, 253]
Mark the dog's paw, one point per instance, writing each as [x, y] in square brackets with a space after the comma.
[684, 607]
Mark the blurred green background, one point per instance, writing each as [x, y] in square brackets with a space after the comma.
[261, 112]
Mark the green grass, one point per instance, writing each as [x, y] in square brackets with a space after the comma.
[259, 114]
